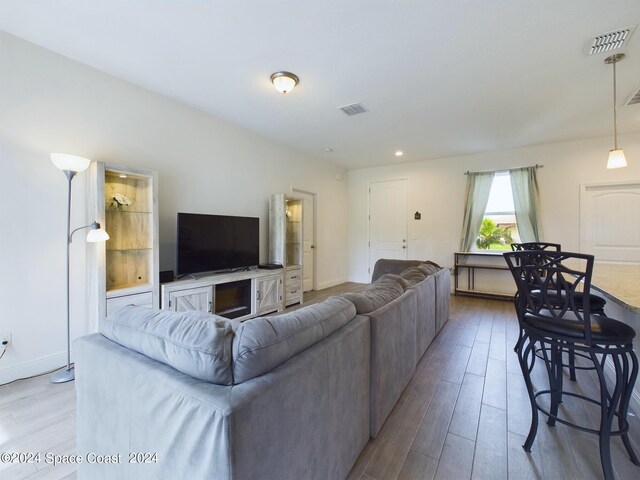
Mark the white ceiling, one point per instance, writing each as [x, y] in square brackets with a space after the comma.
[439, 78]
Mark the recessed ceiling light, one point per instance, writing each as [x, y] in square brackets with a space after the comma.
[399, 153]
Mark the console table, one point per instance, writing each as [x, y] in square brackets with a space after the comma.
[239, 295]
[472, 261]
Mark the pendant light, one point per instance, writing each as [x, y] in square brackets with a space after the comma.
[616, 156]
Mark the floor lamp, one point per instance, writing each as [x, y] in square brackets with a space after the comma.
[71, 165]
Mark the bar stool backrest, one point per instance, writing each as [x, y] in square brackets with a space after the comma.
[517, 247]
[547, 282]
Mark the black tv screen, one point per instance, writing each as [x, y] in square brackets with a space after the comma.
[216, 242]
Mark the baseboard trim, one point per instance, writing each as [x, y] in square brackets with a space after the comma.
[33, 367]
[331, 283]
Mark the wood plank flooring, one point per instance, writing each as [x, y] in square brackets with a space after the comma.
[464, 415]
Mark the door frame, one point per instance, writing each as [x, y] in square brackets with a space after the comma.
[314, 254]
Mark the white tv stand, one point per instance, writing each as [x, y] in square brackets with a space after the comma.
[239, 295]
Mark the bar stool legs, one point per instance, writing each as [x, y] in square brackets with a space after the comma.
[613, 401]
[526, 348]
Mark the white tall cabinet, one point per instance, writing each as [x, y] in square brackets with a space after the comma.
[285, 243]
[124, 269]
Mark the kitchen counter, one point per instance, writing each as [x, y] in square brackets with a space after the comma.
[619, 281]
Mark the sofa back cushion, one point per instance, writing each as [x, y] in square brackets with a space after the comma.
[413, 275]
[429, 268]
[386, 265]
[195, 343]
[379, 293]
[261, 344]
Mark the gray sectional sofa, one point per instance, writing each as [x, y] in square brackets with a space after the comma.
[404, 322]
[291, 396]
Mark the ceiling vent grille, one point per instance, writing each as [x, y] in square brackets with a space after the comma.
[634, 98]
[353, 109]
[609, 41]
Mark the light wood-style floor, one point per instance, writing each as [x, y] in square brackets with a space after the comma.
[465, 414]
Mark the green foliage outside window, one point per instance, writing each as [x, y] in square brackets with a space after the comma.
[492, 237]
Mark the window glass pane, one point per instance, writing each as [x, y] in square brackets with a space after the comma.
[499, 227]
[501, 197]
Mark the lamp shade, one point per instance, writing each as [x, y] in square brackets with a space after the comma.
[616, 159]
[73, 163]
[284, 81]
[97, 235]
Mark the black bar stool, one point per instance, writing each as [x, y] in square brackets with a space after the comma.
[551, 326]
[596, 302]
[518, 247]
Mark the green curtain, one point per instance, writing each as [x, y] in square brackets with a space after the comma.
[525, 200]
[478, 189]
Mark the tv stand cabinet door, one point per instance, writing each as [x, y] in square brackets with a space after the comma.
[199, 298]
[269, 294]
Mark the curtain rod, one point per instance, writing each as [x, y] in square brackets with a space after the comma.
[537, 165]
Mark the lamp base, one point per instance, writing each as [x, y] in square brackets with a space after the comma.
[63, 376]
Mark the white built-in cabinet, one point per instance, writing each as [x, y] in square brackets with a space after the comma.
[124, 269]
[285, 243]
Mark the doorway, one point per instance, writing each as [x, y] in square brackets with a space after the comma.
[388, 222]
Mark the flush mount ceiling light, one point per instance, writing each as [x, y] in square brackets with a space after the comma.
[284, 81]
[616, 156]
[399, 153]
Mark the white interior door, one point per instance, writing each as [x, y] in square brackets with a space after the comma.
[610, 221]
[387, 221]
[308, 235]
[308, 238]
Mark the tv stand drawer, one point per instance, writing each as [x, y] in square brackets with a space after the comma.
[139, 299]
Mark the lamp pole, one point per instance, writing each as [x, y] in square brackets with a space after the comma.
[71, 165]
[68, 374]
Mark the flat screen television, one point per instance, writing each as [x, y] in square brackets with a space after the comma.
[209, 243]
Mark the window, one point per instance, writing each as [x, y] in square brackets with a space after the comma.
[490, 223]
[499, 228]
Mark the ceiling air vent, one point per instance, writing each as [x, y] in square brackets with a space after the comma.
[606, 42]
[353, 109]
[634, 98]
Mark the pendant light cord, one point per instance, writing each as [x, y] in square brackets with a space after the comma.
[615, 118]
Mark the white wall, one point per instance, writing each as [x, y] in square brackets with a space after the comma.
[52, 104]
[437, 190]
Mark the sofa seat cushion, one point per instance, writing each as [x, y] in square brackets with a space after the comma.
[382, 291]
[261, 344]
[195, 343]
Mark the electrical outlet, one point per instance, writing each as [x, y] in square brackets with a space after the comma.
[5, 337]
